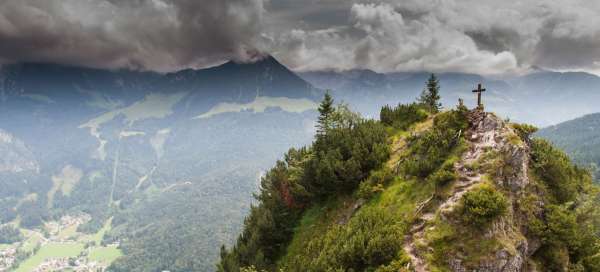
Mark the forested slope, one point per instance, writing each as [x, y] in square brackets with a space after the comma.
[580, 138]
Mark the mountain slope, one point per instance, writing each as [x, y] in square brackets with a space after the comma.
[580, 138]
[458, 191]
[118, 144]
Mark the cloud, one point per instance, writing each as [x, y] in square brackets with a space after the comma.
[482, 36]
[479, 36]
[155, 34]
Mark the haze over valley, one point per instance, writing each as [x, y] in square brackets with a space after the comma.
[258, 136]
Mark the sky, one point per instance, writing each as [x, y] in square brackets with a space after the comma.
[475, 36]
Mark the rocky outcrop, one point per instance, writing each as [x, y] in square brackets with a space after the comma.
[487, 134]
[512, 175]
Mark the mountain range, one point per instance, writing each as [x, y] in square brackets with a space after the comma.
[171, 160]
[541, 98]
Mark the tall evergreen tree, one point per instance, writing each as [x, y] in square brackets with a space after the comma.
[326, 110]
[431, 95]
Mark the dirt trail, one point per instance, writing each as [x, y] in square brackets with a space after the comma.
[483, 134]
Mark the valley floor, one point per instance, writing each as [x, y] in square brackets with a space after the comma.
[59, 246]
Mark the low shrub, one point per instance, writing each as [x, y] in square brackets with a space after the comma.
[369, 240]
[482, 205]
[442, 177]
[431, 149]
[524, 131]
[375, 183]
[555, 169]
[402, 116]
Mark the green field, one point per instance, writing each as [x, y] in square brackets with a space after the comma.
[105, 255]
[97, 238]
[31, 243]
[52, 250]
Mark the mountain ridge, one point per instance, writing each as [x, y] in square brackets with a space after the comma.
[459, 190]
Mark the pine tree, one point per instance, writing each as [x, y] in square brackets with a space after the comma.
[326, 110]
[431, 95]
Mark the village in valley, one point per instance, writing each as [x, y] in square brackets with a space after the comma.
[59, 246]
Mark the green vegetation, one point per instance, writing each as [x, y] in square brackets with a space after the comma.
[53, 250]
[563, 179]
[368, 241]
[31, 243]
[524, 131]
[430, 98]
[429, 150]
[345, 151]
[348, 201]
[482, 205]
[105, 255]
[326, 110]
[580, 139]
[570, 221]
[336, 206]
[10, 234]
[402, 116]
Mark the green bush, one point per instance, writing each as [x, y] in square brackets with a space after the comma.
[9, 235]
[442, 177]
[553, 166]
[482, 205]
[370, 239]
[592, 263]
[375, 183]
[345, 156]
[346, 150]
[524, 131]
[553, 258]
[430, 149]
[566, 239]
[445, 174]
[402, 116]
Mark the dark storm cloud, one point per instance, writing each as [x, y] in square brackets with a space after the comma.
[479, 36]
[153, 34]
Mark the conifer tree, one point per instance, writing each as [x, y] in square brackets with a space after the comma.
[326, 110]
[431, 95]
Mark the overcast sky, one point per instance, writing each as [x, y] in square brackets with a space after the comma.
[476, 36]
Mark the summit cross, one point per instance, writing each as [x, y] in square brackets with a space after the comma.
[479, 90]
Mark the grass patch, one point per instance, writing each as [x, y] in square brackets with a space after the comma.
[105, 255]
[54, 250]
[31, 243]
[4, 246]
[402, 197]
[68, 232]
[446, 240]
[97, 237]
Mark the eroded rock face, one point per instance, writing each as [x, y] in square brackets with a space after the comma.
[507, 262]
[490, 132]
[517, 160]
